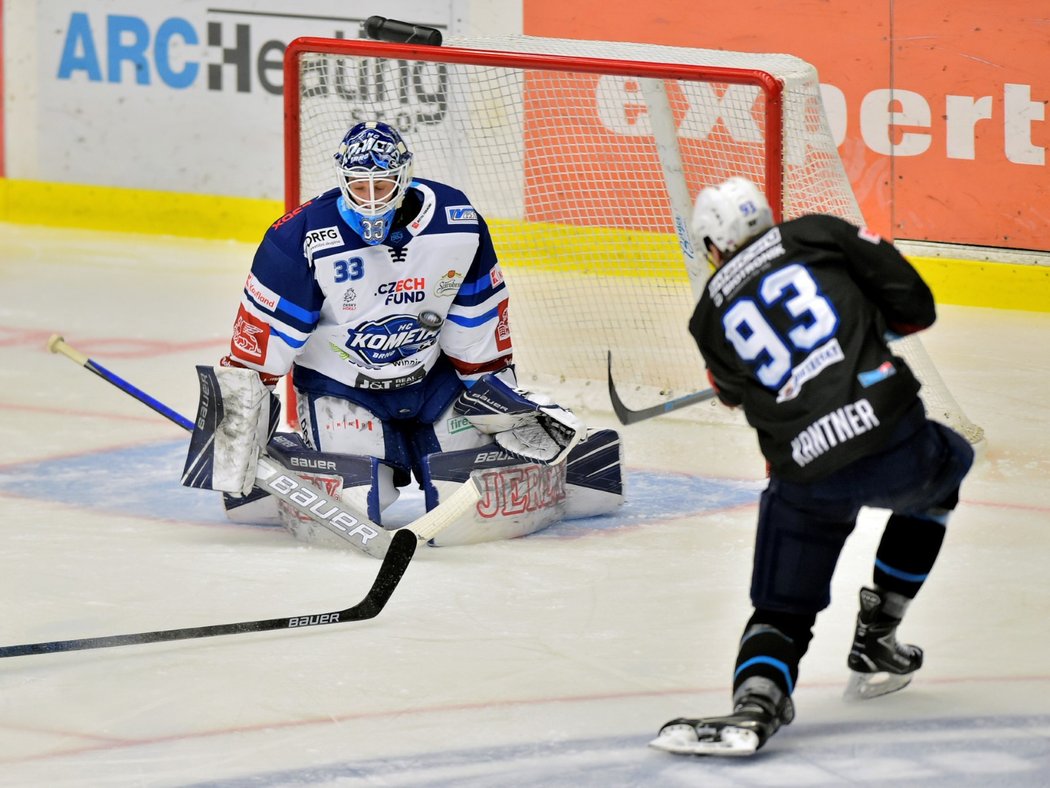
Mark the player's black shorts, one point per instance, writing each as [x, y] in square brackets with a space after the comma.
[803, 526]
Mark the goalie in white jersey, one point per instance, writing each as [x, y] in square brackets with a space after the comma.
[385, 301]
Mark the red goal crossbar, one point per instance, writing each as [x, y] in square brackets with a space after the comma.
[771, 87]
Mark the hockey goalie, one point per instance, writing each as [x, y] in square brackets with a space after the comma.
[385, 301]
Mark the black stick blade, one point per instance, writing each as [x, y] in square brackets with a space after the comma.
[628, 416]
[402, 547]
[622, 413]
[395, 562]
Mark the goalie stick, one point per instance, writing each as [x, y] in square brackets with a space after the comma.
[350, 525]
[402, 548]
[628, 416]
[56, 344]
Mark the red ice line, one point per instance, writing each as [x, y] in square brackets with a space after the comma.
[111, 347]
[115, 743]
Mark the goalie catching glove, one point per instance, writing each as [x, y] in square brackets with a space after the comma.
[526, 425]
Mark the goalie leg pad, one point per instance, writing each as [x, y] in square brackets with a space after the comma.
[258, 507]
[594, 476]
[363, 482]
[518, 498]
[345, 428]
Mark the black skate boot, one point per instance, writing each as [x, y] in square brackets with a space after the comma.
[759, 709]
[879, 663]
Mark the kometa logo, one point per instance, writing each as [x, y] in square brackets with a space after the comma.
[381, 342]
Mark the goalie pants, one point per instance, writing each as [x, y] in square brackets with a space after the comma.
[803, 527]
[399, 426]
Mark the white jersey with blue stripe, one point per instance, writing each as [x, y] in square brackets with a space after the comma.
[376, 317]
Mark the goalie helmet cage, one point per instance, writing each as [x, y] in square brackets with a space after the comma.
[583, 156]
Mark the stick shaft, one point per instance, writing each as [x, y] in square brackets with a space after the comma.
[58, 345]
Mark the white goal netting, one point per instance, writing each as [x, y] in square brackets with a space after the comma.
[583, 157]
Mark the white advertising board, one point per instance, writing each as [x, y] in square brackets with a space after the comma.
[180, 96]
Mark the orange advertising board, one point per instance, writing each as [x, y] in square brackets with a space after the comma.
[977, 169]
[591, 123]
[939, 115]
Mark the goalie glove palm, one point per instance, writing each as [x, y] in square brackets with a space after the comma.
[523, 424]
[546, 438]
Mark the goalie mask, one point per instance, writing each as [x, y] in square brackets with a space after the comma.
[727, 215]
[374, 169]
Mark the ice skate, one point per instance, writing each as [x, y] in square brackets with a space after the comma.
[879, 664]
[755, 718]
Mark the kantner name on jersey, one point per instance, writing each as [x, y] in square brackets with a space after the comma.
[831, 429]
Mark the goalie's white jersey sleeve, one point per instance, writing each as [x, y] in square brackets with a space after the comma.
[376, 317]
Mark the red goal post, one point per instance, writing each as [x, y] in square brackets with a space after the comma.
[584, 158]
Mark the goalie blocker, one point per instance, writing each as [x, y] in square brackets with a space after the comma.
[236, 417]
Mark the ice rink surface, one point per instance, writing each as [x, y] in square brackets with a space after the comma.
[544, 661]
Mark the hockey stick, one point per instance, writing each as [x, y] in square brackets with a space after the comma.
[402, 547]
[298, 492]
[56, 344]
[628, 416]
[352, 526]
[448, 511]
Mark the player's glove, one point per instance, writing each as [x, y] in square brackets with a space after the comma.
[527, 425]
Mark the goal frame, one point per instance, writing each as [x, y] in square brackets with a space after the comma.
[771, 87]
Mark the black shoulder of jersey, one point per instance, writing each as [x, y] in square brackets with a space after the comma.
[814, 221]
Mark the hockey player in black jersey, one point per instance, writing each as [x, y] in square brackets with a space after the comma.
[793, 326]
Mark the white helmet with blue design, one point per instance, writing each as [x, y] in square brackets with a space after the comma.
[374, 168]
[729, 214]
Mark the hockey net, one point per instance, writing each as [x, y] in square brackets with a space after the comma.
[584, 157]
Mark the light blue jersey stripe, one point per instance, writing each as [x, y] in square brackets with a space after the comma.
[473, 288]
[286, 307]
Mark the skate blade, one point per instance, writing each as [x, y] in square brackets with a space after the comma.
[865, 686]
[681, 740]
